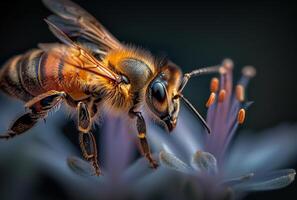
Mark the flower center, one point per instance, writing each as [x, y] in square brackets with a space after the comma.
[226, 109]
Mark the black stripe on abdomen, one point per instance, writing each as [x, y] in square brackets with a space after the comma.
[11, 82]
[29, 72]
[19, 66]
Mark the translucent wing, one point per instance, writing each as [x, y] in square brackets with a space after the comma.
[78, 56]
[76, 22]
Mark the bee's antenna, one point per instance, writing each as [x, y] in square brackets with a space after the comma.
[188, 103]
[197, 72]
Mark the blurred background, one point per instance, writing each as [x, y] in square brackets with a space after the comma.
[192, 34]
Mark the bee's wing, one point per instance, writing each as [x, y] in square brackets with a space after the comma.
[89, 62]
[76, 22]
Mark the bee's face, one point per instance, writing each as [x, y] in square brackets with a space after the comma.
[161, 92]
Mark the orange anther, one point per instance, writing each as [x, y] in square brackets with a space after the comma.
[239, 91]
[211, 99]
[222, 95]
[214, 85]
[241, 116]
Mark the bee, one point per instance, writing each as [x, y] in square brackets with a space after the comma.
[91, 69]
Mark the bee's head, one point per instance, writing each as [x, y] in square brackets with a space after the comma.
[161, 94]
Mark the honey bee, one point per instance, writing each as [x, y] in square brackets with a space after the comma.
[92, 69]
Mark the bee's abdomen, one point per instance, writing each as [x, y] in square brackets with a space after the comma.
[19, 76]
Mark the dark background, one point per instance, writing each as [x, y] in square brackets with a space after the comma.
[192, 34]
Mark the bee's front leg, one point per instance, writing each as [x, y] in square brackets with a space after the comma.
[86, 138]
[141, 128]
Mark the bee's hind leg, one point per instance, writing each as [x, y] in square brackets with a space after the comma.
[21, 125]
[86, 138]
[38, 108]
[141, 128]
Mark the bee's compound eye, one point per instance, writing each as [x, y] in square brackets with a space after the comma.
[158, 91]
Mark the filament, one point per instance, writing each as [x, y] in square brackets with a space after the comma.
[239, 92]
[222, 95]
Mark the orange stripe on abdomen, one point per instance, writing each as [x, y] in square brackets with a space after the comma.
[56, 74]
[48, 72]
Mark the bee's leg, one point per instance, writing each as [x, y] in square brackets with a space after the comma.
[141, 128]
[86, 138]
[39, 108]
[21, 125]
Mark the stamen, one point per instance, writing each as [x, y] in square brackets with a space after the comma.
[211, 99]
[214, 85]
[238, 180]
[249, 71]
[241, 116]
[239, 92]
[228, 63]
[204, 162]
[222, 95]
[81, 167]
[170, 161]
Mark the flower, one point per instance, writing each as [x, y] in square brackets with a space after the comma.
[44, 163]
[209, 161]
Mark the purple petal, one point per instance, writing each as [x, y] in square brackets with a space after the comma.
[118, 146]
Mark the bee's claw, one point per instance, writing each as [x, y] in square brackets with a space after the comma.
[98, 173]
[154, 165]
[4, 137]
[96, 168]
[9, 134]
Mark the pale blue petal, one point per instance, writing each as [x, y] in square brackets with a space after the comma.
[268, 181]
[160, 140]
[160, 182]
[138, 169]
[183, 141]
[10, 111]
[264, 151]
[189, 131]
